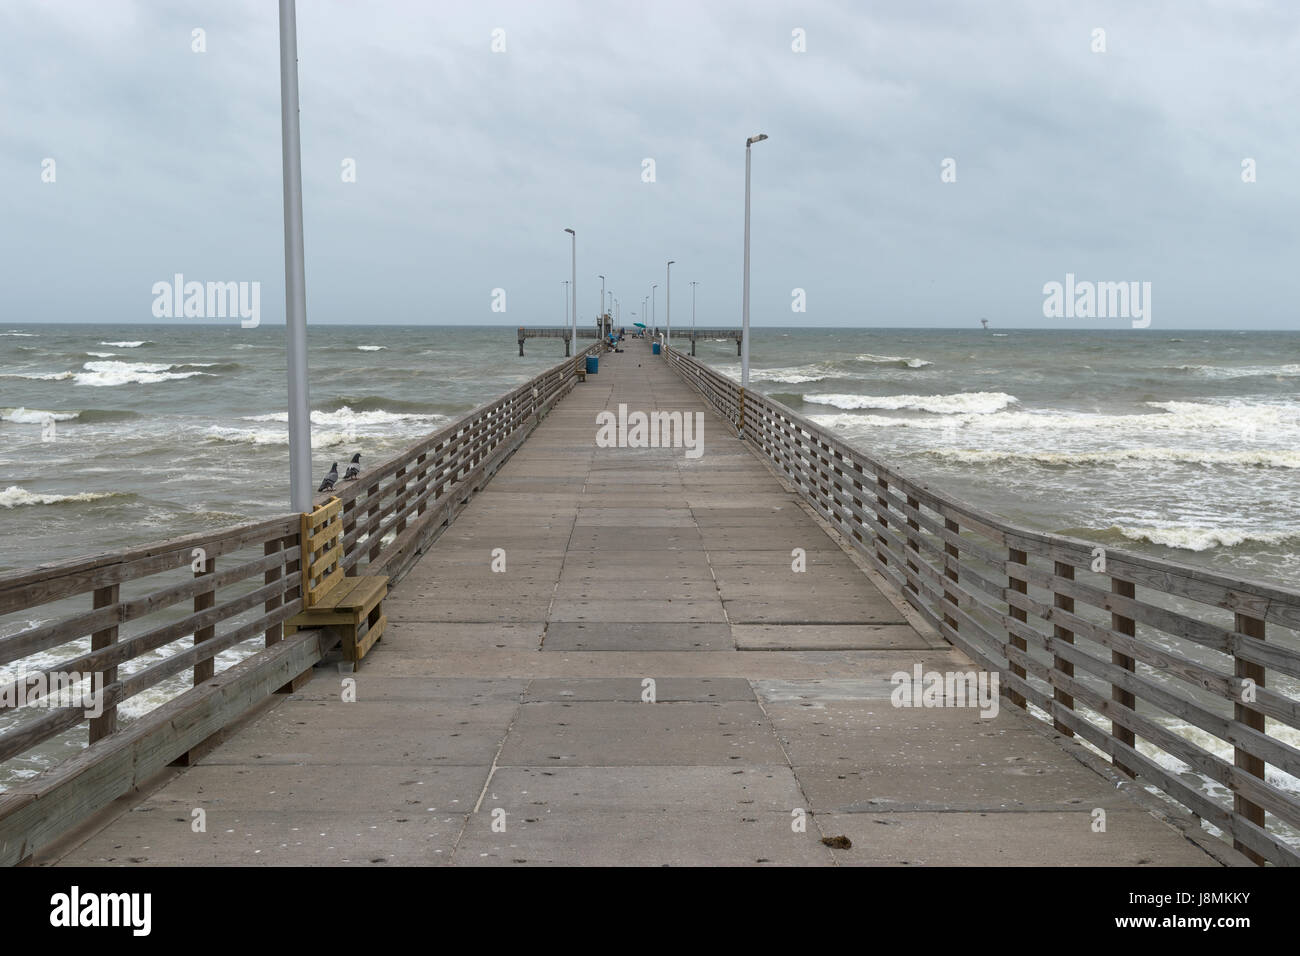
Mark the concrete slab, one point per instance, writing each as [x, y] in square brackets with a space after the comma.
[676, 636]
[600, 734]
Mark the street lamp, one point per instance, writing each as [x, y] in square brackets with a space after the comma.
[295, 278]
[693, 285]
[600, 313]
[652, 308]
[565, 283]
[668, 303]
[744, 327]
[575, 287]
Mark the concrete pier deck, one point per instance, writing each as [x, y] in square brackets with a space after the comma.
[501, 719]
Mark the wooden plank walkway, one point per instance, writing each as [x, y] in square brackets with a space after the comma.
[516, 696]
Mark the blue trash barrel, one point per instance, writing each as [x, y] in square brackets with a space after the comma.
[654, 348]
[592, 363]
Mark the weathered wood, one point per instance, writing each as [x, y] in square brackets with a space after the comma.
[948, 560]
[1124, 625]
[38, 810]
[105, 723]
[205, 667]
[1248, 671]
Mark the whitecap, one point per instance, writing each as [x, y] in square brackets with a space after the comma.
[13, 497]
[34, 416]
[969, 403]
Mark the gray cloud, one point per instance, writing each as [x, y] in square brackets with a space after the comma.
[1114, 166]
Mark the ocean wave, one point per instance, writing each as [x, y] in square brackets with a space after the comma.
[893, 360]
[1191, 456]
[40, 376]
[126, 345]
[13, 497]
[93, 415]
[275, 436]
[1189, 538]
[1173, 416]
[346, 417]
[372, 348]
[1240, 371]
[33, 416]
[108, 374]
[101, 354]
[25, 335]
[964, 403]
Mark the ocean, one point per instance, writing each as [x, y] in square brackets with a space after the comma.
[1185, 445]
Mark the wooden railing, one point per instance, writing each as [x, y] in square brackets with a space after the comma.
[155, 618]
[1129, 653]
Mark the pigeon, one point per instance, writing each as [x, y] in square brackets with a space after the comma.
[353, 471]
[333, 476]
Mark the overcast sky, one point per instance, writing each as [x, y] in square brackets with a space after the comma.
[1123, 165]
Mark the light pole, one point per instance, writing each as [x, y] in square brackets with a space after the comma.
[600, 313]
[744, 326]
[693, 285]
[565, 283]
[295, 277]
[668, 303]
[575, 288]
[645, 313]
[652, 308]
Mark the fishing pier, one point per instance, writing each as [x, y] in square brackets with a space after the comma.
[626, 655]
[688, 334]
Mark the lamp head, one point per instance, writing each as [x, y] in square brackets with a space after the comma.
[572, 233]
[755, 139]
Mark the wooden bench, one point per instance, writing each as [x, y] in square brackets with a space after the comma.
[350, 606]
[580, 369]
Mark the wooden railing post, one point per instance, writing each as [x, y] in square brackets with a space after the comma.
[882, 499]
[1019, 586]
[106, 723]
[204, 669]
[913, 544]
[1127, 626]
[950, 571]
[1064, 634]
[275, 633]
[1244, 713]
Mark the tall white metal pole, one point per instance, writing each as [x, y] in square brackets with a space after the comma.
[693, 285]
[565, 283]
[668, 303]
[574, 338]
[600, 313]
[295, 277]
[653, 325]
[744, 326]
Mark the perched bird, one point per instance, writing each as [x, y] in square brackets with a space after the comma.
[333, 476]
[353, 471]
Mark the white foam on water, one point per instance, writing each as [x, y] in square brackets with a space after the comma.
[1262, 458]
[893, 360]
[373, 348]
[275, 436]
[101, 354]
[125, 345]
[34, 416]
[40, 376]
[1189, 538]
[25, 335]
[14, 497]
[109, 374]
[345, 417]
[967, 403]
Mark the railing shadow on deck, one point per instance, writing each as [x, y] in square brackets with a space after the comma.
[160, 616]
[1109, 646]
